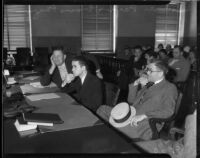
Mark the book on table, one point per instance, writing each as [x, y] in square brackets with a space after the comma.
[22, 125]
[42, 119]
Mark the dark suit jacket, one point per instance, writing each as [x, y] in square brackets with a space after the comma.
[55, 77]
[90, 94]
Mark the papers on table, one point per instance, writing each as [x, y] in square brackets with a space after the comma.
[38, 85]
[37, 97]
[24, 127]
[31, 78]
[40, 124]
[11, 80]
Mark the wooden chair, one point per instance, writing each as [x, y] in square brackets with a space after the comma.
[5, 54]
[41, 58]
[168, 122]
[111, 93]
[23, 58]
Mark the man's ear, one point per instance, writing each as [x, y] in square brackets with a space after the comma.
[84, 67]
[65, 56]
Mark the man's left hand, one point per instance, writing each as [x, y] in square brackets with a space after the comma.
[137, 118]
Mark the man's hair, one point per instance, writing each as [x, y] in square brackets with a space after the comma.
[151, 53]
[161, 65]
[160, 45]
[163, 51]
[58, 48]
[138, 47]
[82, 61]
[179, 47]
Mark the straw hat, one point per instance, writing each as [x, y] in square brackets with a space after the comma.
[121, 115]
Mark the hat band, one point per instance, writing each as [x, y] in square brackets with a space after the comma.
[125, 118]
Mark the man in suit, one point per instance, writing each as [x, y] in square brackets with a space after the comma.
[93, 64]
[157, 101]
[180, 65]
[60, 71]
[87, 87]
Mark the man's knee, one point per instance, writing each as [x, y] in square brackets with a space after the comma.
[104, 112]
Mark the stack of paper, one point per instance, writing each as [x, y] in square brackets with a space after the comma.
[23, 127]
[11, 80]
[38, 85]
[31, 78]
[37, 97]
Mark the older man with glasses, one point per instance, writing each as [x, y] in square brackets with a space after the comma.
[152, 96]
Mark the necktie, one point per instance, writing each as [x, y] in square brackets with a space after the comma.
[149, 84]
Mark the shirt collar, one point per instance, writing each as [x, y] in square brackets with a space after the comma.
[61, 66]
[83, 78]
[158, 81]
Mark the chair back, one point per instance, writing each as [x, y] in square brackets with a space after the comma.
[5, 54]
[23, 57]
[111, 93]
[42, 56]
[168, 122]
[178, 103]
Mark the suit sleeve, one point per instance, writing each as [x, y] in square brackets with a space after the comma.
[165, 107]
[132, 93]
[46, 78]
[71, 87]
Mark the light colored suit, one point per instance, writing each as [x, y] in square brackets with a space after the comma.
[158, 101]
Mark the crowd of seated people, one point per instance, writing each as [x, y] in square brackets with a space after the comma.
[180, 61]
[143, 81]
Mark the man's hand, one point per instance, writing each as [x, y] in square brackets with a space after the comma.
[68, 79]
[99, 74]
[118, 73]
[52, 62]
[137, 118]
[142, 80]
[53, 66]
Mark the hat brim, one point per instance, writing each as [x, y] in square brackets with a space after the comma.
[125, 123]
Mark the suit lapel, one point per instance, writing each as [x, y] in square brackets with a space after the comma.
[85, 82]
[147, 93]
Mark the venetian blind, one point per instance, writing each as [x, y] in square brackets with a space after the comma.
[167, 24]
[97, 27]
[16, 26]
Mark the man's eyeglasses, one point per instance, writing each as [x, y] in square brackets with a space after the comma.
[149, 70]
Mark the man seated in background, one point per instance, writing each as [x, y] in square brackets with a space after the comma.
[169, 50]
[87, 87]
[135, 64]
[157, 101]
[130, 72]
[150, 56]
[60, 71]
[93, 64]
[180, 65]
[163, 56]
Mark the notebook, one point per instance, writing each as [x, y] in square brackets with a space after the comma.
[42, 118]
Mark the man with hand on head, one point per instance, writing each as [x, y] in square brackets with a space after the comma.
[60, 71]
[86, 86]
[155, 99]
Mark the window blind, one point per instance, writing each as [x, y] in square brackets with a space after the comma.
[167, 24]
[97, 27]
[16, 26]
